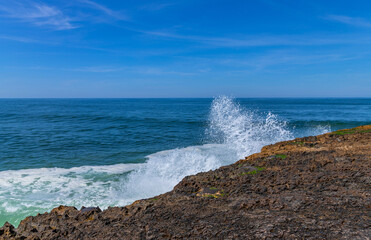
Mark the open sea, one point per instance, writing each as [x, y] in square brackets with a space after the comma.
[106, 152]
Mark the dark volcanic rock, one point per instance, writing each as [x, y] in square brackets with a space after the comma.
[308, 188]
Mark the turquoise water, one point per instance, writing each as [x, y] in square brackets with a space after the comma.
[89, 152]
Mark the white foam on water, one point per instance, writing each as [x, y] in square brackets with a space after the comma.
[321, 129]
[29, 191]
[233, 132]
[237, 131]
[163, 170]
[315, 130]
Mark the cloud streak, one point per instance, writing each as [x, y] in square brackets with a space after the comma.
[354, 21]
[36, 13]
[287, 58]
[45, 15]
[155, 7]
[18, 39]
[105, 10]
[141, 70]
[98, 69]
[261, 41]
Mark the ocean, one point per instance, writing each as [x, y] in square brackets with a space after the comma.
[109, 152]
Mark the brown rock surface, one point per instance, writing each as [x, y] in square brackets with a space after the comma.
[308, 188]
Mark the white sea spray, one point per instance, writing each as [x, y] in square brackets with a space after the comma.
[233, 133]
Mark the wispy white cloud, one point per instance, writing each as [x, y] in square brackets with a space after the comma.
[286, 58]
[271, 60]
[155, 7]
[98, 69]
[141, 70]
[355, 21]
[261, 40]
[18, 39]
[114, 14]
[41, 14]
[160, 71]
[36, 13]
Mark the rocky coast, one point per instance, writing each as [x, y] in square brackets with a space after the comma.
[316, 187]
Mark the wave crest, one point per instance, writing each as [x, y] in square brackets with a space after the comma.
[235, 133]
[244, 130]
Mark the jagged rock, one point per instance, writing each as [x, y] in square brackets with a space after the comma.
[7, 231]
[90, 209]
[307, 188]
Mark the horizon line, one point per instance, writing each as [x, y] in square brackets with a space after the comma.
[56, 98]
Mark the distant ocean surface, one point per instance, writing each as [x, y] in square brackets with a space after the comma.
[105, 152]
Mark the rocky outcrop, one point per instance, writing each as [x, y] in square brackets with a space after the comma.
[308, 188]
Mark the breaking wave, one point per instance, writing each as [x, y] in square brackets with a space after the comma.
[232, 133]
[30, 191]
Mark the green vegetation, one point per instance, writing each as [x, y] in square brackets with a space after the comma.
[258, 169]
[213, 188]
[298, 143]
[282, 156]
[350, 131]
[344, 132]
[210, 196]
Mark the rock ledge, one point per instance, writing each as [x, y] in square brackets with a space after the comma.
[308, 188]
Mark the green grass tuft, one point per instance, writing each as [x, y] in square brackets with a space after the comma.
[211, 196]
[258, 169]
[345, 132]
[350, 131]
[282, 156]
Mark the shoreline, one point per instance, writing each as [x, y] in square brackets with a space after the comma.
[311, 187]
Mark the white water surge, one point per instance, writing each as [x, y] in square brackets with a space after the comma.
[233, 133]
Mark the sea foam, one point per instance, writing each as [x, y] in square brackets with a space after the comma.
[232, 133]
[29, 191]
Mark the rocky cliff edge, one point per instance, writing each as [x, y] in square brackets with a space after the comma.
[309, 188]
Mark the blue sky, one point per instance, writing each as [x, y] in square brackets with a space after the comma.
[185, 48]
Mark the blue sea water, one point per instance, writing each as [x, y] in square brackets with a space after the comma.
[89, 152]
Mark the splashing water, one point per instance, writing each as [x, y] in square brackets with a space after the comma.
[163, 170]
[233, 132]
[30, 191]
[242, 130]
[321, 129]
[238, 133]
